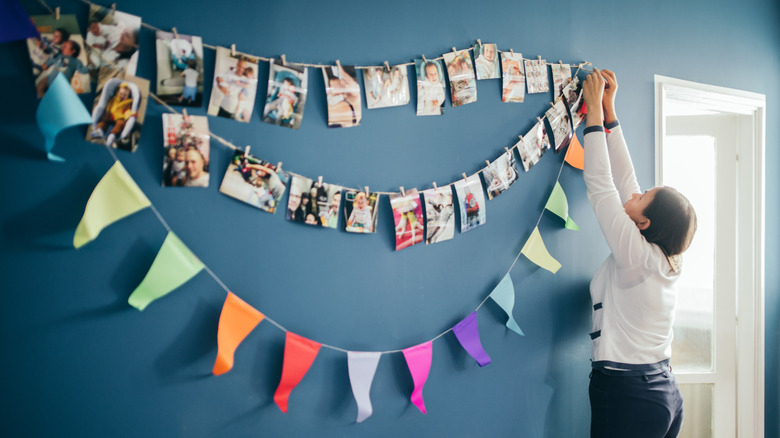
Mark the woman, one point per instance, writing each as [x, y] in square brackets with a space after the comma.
[632, 389]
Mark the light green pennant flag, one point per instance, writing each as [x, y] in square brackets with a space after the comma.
[558, 204]
[504, 296]
[536, 252]
[174, 265]
[115, 197]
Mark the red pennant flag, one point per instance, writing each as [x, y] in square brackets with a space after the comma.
[299, 353]
[575, 155]
[236, 321]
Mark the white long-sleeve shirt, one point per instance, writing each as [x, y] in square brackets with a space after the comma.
[633, 292]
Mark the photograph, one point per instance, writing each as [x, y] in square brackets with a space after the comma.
[386, 86]
[235, 86]
[112, 43]
[187, 149]
[533, 146]
[472, 203]
[343, 94]
[254, 181]
[408, 219]
[360, 211]
[561, 73]
[500, 174]
[558, 118]
[513, 69]
[118, 113]
[59, 51]
[286, 98]
[486, 61]
[463, 85]
[439, 214]
[430, 87]
[313, 203]
[573, 96]
[536, 76]
[179, 68]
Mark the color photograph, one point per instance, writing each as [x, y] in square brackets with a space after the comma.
[561, 73]
[235, 86]
[439, 215]
[408, 219]
[513, 89]
[112, 43]
[179, 68]
[463, 85]
[577, 109]
[361, 211]
[558, 118]
[343, 95]
[533, 146]
[254, 181]
[286, 98]
[312, 203]
[500, 174]
[59, 51]
[118, 113]
[472, 203]
[536, 76]
[386, 86]
[486, 61]
[430, 87]
[187, 151]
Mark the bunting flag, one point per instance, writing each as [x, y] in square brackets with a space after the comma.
[299, 353]
[115, 197]
[15, 24]
[504, 296]
[362, 367]
[536, 252]
[236, 321]
[575, 155]
[558, 204]
[173, 266]
[60, 108]
[418, 358]
[467, 332]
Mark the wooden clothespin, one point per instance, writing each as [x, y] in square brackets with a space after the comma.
[175, 33]
[539, 119]
[520, 137]
[424, 60]
[57, 13]
[507, 149]
[552, 104]
[487, 162]
[434, 186]
[465, 178]
[246, 151]
[184, 112]
[338, 64]
[284, 60]
[511, 50]
[232, 50]
[319, 181]
[560, 62]
[403, 192]
[279, 167]
[479, 41]
[454, 50]
[366, 191]
[113, 8]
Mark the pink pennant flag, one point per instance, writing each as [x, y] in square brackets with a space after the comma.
[418, 358]
[299, 354]
[236, 321]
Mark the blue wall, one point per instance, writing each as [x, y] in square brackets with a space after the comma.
[78, 361]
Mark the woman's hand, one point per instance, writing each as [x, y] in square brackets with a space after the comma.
[593, 93]
[609, 95]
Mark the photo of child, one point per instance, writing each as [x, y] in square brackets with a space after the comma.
[439, 215]
[577, 108]
[514, 77]
[179, 68]
[500, 174]
[112, 43]
[186, 146]
[386, 87]
[558, 118]
[407, 214]
[561, 73]
[59, 51]
[533, 146]
[536, 76]
[486, 61]
[235, 86]
[472, 203]
[287, 85]
[463, 85]
[254, 181]
[430, 87]
[118, 113]
[311, 202]
[343, 91]
[360, 211]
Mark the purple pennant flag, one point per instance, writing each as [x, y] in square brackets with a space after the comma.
[15, 24]
[467, 332]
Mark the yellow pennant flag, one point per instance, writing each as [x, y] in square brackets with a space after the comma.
[558, 204]
[536, 252]
[115, 197]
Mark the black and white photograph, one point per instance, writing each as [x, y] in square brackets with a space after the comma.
[439, 215]
[558, 117]
[500, 174]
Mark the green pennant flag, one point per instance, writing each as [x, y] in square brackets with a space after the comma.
[115, 197]
[558, 204]
[504, 296]
[536, 252]
[174, 265]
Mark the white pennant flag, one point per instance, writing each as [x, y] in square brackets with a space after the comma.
[362, 366]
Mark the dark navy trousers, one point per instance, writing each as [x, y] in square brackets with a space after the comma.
[630, 406]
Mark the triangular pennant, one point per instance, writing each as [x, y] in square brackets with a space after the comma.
[15, 24]
[115, 197]
[362, 367]
[174, 265]
[558, 204]
[504, 296]
[418, 359]
[236, 321]
[467, 332]
[59, 108]
[536, 252]
[575, 155]
[299, 353]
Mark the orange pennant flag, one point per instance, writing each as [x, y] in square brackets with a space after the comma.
[299, 354]
[575, 155]
[236, 321]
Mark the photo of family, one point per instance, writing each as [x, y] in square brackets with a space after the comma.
[360, 211]
[561, 73]
[533, 146]
[513, 89]
[186, 145]
[313, 203]
[254, 181]
[536, 76]
[439, 214]
[558, 118]
[287, 85]
[235, 86]
[59, 51]
[573, 97]
[463, 85]
[179, 68]
[118, 113]
[407, 215]
[500, 174]
[486, 61]
[386, 86]
[112, 43]
[430, 87]
[343, 91]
